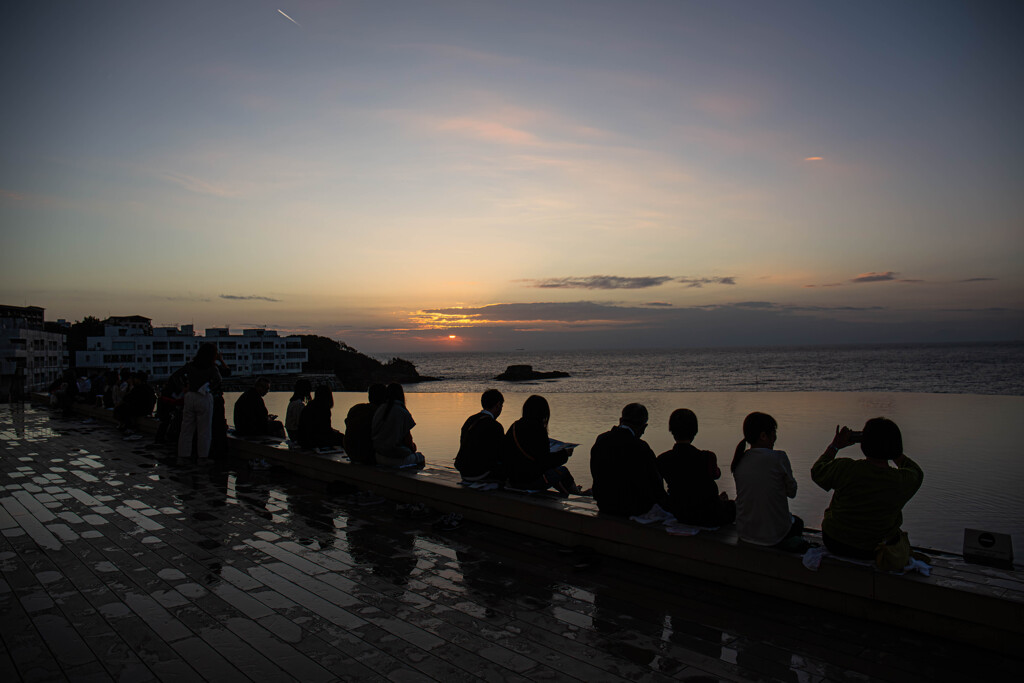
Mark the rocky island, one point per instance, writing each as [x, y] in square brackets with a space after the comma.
[522, 373]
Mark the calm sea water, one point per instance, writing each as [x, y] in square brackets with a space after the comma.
[932, 368]
[945, 399]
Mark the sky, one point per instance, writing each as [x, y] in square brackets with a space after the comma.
[463, 175]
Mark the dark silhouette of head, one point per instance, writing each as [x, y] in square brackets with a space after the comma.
[881, 439]
[536, 408]
[757, 427]
[325, 395]
[682, 423]
[302, 391]
[377, 394]
[492, 401]
[205, 355]
[393, 395]
[634, 416]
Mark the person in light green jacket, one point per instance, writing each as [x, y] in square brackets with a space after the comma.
[867, 504]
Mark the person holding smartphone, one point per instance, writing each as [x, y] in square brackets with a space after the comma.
[866, 509]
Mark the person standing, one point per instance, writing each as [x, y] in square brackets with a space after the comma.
[202, 380]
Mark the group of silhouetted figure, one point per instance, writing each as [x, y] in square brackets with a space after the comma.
[863, 519]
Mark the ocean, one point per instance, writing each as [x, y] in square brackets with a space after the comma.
[958, 406]
[994, 368]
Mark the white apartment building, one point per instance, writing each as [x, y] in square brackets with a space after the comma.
[253, 352]
[30, 357]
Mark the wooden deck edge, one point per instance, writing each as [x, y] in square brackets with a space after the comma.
[929, 605]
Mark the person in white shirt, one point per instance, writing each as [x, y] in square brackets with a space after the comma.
[764, 482]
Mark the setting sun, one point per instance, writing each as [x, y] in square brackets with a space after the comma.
[451, 336]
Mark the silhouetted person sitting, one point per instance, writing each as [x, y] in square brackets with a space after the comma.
[625, 471]
[526, 452]
[315, 429]
[690, 475]
[301, 396]
[392, 432]
[764, 482]
[479, 456]
[251, 415]
[359, 426]
[866, 510]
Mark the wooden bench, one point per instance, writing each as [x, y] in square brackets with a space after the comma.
[963, 602]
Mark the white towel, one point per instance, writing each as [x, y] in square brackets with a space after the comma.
[655, 514]
[813, 557]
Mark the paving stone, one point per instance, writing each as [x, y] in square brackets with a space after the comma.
[149, 569]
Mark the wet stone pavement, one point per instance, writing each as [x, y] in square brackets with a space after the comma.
[119, 563]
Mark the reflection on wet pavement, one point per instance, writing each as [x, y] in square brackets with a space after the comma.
[119, 562]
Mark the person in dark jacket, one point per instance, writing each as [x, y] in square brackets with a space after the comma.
[690, 475]
[315, 429]
[359, 426]
[625, 471]
[138, 402]
[479, 456]
[251, 416]
[527, 455]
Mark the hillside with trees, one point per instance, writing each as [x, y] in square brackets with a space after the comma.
[356, 371]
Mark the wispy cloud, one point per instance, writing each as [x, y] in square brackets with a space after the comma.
[250, 297]
[186, 297]
[875, 277]
[12, 196]
[814, 158]
[701, 281]
[658, 303]
[979, 279]
[490, 131]
[197, 185]
[600, 282]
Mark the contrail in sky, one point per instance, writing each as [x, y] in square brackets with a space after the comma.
[290, 19]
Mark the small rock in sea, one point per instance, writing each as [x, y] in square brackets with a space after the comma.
[520, 373]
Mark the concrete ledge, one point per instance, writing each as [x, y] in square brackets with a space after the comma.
[967, 603]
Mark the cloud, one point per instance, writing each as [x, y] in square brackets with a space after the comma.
[197, 185]
[187, 297]
[600, 282]
[701, 281]
[910, 281]
[13, 196]
[979, 279]
[814, 158]
[658, 303]
[251, 297]
[875, 277]
[490, 131]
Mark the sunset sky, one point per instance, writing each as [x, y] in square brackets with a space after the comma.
[417, 175]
